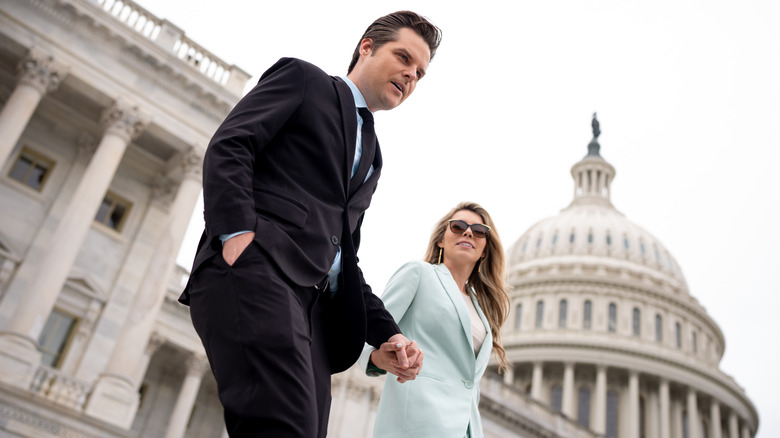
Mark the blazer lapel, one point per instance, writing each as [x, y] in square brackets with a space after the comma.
[349, 125]
[455, 296]
[484, 351]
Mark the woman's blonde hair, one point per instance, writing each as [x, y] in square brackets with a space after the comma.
[487, 278]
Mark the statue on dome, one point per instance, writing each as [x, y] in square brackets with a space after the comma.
[593, 146]
[595, 125]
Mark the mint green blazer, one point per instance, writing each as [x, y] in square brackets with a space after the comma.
[443, 401]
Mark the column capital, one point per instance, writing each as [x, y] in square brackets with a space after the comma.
[163, 190]
[125, 120]
[156, 340]
[39, 70]
[196, 364]
[191, 162]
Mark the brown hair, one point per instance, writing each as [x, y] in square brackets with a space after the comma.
[487, 278]
[385, 29]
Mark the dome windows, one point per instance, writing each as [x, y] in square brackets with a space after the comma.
[659, 329]
[636, 322]
[612, 323]
[609, 240]
[587, 315]
[555, 238]
[562, 310]
[539, 313]
[518, 316]
[571, 237]
[678, 334]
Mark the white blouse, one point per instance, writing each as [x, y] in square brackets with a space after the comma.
[478, 331]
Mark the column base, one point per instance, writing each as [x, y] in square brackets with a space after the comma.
[19, 359]
[113, 400]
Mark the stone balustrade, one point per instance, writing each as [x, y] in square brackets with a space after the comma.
[60, 388]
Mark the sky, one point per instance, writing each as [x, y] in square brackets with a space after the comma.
[688, 97]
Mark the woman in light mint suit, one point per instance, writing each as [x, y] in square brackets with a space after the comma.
[453, 304]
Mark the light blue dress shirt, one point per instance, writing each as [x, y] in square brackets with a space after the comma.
[360, 102]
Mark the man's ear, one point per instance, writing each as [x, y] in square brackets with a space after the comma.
[366, 46]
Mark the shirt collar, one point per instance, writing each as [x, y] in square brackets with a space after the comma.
[360, 101]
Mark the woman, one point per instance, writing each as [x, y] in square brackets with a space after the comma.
[453, 304]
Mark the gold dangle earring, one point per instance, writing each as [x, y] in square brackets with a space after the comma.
[440, 251]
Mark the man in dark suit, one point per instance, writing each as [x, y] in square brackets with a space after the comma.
[275, 291]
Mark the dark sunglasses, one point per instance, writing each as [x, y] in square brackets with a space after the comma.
[458, 226]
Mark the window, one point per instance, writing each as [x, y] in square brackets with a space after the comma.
[518, 316]
[678, 334]
[539, 313]
[55, 336]
[113, 211]
[659, 330]
[612, 324]
[555, 239]
[539, 242]
[587, 315]
[612, 414]
[642, 248]
[693, 342]
[31, 169]
[562, 308]
[583, 406]
[571, 237]
[590, 237]
[625, 242]
[636, 321]
[609, 240]
[556, 398]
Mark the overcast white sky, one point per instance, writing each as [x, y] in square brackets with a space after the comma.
[687, 92]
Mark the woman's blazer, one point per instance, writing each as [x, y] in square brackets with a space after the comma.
[443, 401]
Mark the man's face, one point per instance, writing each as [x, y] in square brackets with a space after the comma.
[387, 76]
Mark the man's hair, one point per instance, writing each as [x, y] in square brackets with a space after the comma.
[385, 29]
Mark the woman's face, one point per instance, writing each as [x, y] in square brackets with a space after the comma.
[463, 248]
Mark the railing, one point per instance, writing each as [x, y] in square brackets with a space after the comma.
[171, 38]
[524, 406]
[59, 388]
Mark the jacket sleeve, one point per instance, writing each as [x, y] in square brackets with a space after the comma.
[397, 297]
[228, 167]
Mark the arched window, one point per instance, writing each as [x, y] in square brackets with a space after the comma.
[678, 334]
[587, 313]
[612, 414]
[636, 321]
[562, 310]
[583, 406]
[539, 313]
[518, 316]
[609, 240]
[659, 329]
[612, 324]
[556, 398]
[555, 238]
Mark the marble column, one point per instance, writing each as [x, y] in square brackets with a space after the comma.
[19, 356]
[119, 375]
[567, 401]
[177, 425]
[665, 408]
[537, 381]
[693, 414]
[715, 430]
[633, 404]
[40, 74]
[509, 375]
[600, 411]
[733, 425]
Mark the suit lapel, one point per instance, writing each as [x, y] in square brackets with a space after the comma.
[455, 296]
[349, 125]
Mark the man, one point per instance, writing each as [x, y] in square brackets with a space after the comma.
[275, 292]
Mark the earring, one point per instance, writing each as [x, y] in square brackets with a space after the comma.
[479, 266]
[440, 251]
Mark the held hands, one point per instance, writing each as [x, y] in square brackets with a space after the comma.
[233, 247]
[399, 356]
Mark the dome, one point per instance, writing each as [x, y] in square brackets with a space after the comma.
[591, 234]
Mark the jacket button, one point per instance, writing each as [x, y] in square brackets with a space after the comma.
[334, 240]
[468, 384]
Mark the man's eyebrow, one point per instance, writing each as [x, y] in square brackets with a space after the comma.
[406, 52]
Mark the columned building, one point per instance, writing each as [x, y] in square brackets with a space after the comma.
[106, 113]
[604, 330]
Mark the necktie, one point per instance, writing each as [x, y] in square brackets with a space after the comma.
[369, 149]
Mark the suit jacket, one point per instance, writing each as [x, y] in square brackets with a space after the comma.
[280, 165]
[443, 400]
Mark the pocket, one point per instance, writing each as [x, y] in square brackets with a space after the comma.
[280, 207]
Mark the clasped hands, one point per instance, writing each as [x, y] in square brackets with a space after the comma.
[400, 357]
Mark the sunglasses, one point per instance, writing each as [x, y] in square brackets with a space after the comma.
[458, 226]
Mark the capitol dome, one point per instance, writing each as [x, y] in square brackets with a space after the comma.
[604, 330]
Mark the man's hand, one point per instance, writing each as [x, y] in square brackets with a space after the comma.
[233, 247]
[400, 357]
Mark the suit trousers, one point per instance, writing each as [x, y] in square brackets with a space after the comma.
[263, 336]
